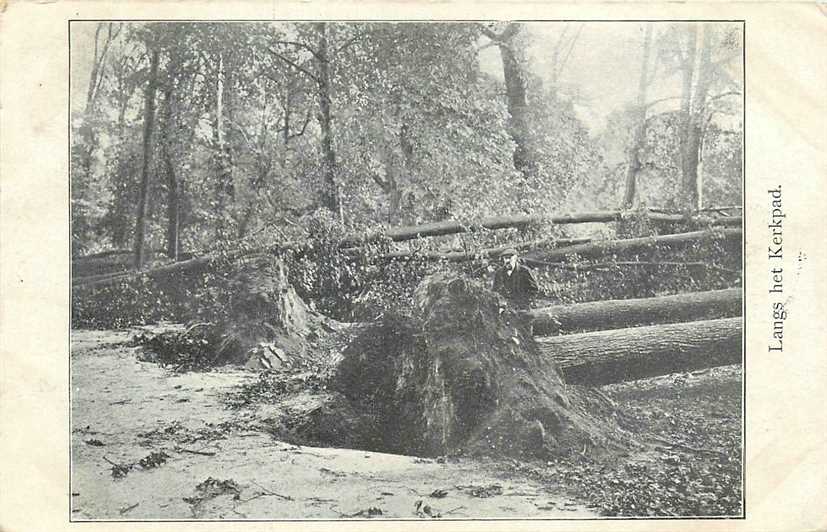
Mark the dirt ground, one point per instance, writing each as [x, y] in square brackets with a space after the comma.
[151, 443]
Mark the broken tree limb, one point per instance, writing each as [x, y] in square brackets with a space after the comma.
[449, 227]
[598, 248]
[618, 355]
[615, 314]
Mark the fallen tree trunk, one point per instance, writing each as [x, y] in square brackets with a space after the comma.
[592, 266]
[606, 357]
[449, 227]
[590, 248]
[460, 256]
[616, 314]
[189, 266]
[598, 248]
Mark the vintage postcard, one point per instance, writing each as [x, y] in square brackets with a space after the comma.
[483, 266]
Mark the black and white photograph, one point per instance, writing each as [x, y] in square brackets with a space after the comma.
[407, 270]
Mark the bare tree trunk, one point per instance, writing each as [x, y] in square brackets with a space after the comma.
[228, 137]
[332, 194]
[149, 120]
[640, 132]
[516, 99]
[99, 63]
[119, 209]
[699, 114]
[688, 137]
[173, 186]
[224, 188]
[285, 133]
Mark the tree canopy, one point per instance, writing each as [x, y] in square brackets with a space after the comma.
[223, 131]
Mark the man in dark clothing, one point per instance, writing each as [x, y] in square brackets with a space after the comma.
[514, 281]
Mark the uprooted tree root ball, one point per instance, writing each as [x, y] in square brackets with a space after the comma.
[463, 375]
[264, 325]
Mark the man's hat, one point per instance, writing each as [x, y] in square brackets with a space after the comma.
[508, 252]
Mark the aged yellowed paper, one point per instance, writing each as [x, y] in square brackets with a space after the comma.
[784, 138]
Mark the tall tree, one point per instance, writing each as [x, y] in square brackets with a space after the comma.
[139, 249]
[634, 164]
[173, 184]
[516, 94]
[119, 216]
[317, 68]
[332, 193]
[697, 80]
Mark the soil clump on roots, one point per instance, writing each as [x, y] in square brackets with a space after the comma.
[462, 375]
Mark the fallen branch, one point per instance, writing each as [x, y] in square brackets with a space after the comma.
[265, 491]
[682, 447]
[128, 509]
[191, 451]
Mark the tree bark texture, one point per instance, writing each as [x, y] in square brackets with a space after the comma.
[688, 136]
[616, 314]
[610, 356]
[123, 186]
[516, 99]
[173, 186]
[331, 193]
[149, 121]
[615, 246]
[224, 188]
[639, 140]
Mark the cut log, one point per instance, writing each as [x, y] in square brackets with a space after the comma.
[449, 227]
[606, 357]
[617, 314]
[598, 248]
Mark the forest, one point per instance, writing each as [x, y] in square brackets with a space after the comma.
[300, 222]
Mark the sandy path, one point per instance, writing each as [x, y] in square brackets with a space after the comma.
[134, 408]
